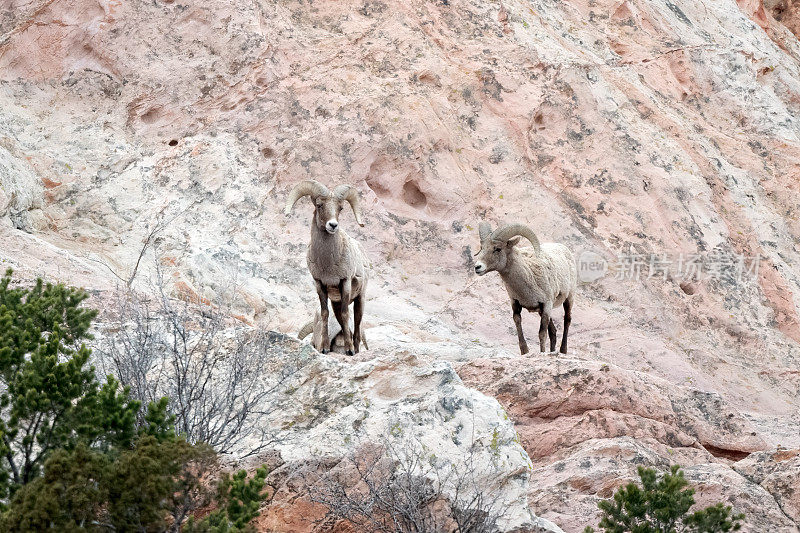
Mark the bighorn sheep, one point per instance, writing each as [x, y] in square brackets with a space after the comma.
[537, 278]
[336, 261]
[314, 328]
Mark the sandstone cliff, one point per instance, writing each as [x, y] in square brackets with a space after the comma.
[618, 127]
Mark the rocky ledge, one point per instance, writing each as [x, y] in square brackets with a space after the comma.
[587, 425]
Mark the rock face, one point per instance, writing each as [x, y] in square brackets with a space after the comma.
[662, 130]
[777, 473]
[335, 406]
[559, 403]
[643, 127]
[20, 190]
[587, 426]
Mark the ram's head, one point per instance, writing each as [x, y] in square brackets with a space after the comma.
[497, 244]
[327, 204]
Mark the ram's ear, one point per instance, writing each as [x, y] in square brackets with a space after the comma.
[512, 242]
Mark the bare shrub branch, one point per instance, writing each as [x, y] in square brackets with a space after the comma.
[212, 369]
[396, 487]
[157, 227]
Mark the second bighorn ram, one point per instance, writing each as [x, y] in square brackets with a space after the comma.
[537, 278]
[336, 261]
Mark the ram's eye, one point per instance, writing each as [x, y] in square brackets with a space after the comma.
[496, 250]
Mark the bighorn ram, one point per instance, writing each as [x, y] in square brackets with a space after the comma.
[336, 261]
[537, 278]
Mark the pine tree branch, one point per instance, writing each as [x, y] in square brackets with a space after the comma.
[10, 459]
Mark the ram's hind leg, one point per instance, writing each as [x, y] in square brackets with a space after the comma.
[546, 309]
[567, 320]
[345, 288]
[551, 332]
[322, 292]
[337, 339]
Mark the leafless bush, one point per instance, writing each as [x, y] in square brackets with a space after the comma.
[222, 379]
[400, 488]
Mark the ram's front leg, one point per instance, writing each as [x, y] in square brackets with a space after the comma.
[345, 289]
[516, 308]
[567, 321]
[358, 314]
[322, 292]
[547, 310]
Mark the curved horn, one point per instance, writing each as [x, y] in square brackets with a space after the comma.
[484, 230]
[306, 330]
[512, 230]
[304, 188]
[349, 193]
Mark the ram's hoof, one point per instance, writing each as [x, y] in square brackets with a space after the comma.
[350, 352]
[325, 351]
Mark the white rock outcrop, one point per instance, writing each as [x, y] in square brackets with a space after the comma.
[20, 191]
[333, 406]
